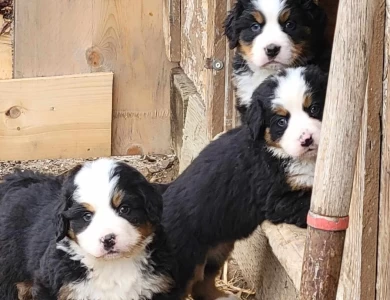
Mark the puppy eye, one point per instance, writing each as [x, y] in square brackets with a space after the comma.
[290, 25]
[124, 210]
[255, 27]
[282, 122]
[87, 217]
[314, 110]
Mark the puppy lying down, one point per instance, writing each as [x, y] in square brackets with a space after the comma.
[93, 233]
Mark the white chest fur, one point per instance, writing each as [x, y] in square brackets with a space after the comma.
[301, 172]
[247, 82]
[119, 279]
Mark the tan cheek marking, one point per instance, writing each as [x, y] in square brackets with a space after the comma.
[307, 101]
[72, 235]
[245, 48]
[117, 199]
[145, 230]
[24, 290]
[298, 50]
[269, 141]
[258, 17]
[285, 14]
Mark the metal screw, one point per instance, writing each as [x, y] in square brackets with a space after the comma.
[217, 65]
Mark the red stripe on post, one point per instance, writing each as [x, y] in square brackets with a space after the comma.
[327, 223]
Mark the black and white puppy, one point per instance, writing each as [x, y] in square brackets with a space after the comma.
[271, 35]
[262, 170]
[93, 233]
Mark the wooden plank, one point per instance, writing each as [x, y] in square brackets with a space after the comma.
[52, 37]
[172, 29]
[203, 41]
[128, 40]
[182, 89]
[358, 272]
[383, 262]
[6, 19]
[195, 131]
[56, 117]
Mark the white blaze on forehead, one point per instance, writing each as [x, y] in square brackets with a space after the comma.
[269, 8]
[94, 182]
[291, 91]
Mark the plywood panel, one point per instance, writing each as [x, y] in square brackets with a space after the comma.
[128, 40]
[56, 117]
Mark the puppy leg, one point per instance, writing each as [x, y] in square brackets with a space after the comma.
[40, 292]
[206, 289]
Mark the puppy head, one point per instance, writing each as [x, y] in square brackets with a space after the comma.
[111, 210]
[275, 34]
[286, 112]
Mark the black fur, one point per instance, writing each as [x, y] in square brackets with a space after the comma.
[33, 217]
[230, 188]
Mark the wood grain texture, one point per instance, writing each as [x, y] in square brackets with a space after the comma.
[182, 89]
[358, 271]
[128, 40]
[383, 262]
[288, 244]
[172, 29]
[121, 36]
[56, 117]
[5, 52]
[203, 39]
[52, 37]
[345, 99]
[195, 131]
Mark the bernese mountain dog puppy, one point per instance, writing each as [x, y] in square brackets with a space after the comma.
[271, 35]
[262, 170]
[92, 234]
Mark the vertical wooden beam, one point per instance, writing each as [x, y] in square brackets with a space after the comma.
[172, 29]
[383, 277]
[333, 186]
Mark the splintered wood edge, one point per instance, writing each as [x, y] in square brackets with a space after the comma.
[288, 244]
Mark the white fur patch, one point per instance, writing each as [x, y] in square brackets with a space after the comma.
[300, 172]
[119, 279]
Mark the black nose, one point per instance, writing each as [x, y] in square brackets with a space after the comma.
[272, 50]
[307, 142]
[108, 241]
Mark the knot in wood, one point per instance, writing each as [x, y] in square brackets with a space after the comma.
[14, 112]
[94, 57]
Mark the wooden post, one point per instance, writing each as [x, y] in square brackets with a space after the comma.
[328, 217]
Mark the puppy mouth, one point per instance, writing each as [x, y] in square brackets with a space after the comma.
[112, 254]
[274, 65]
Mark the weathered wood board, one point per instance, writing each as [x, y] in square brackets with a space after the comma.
[56, 117]
[6, 17]
[125, 37]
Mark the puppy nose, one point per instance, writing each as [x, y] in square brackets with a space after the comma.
[307, 142]
[108, 241]
[272, 50]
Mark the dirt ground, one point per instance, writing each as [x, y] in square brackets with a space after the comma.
[156, 168]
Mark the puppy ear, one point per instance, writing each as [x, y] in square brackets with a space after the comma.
[70, 173]
[230, 24]
[154, 205]
[316, 13]
[255, 118]
[62, 227]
